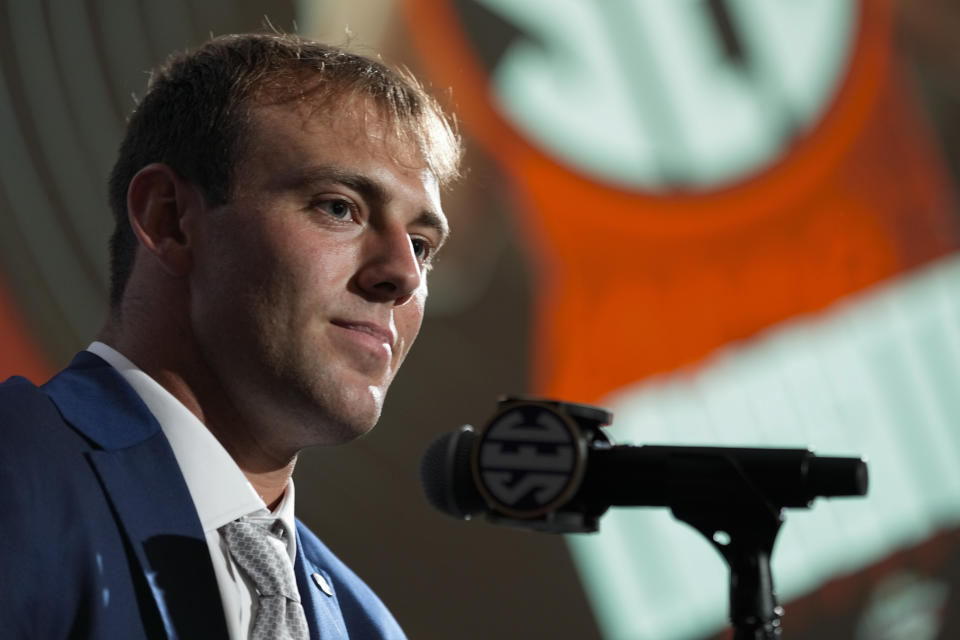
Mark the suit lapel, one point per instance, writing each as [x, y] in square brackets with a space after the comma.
[323, 611]
[148, 493]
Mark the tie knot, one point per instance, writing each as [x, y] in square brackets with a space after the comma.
[259, 550]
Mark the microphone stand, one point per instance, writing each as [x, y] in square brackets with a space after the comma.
[742, 525]
[740, 513]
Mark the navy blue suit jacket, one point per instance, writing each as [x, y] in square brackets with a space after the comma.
[99, 537]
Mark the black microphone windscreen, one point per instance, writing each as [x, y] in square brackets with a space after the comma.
[445, 475]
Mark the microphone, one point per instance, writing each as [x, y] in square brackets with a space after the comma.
[547, 465]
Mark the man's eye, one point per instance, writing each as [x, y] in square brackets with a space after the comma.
[421, 249]
[336, 208]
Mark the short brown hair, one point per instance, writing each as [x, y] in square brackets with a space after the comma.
[195, 114]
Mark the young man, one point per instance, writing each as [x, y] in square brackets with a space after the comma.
[277, 208]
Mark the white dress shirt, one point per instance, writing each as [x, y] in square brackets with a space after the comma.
[220, 491]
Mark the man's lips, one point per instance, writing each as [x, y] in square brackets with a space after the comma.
[382, 334]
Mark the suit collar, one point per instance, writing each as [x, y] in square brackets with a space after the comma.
[219, 488]
[99, 403]
[144, 485]
[324, 616]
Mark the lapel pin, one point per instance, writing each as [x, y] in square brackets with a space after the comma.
[323, 584]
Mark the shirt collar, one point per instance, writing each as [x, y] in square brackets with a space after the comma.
[220, 491]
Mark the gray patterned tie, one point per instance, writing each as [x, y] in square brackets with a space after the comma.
[262, 555]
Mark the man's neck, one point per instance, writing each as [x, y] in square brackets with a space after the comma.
[270, 486]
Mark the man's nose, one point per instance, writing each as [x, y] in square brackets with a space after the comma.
[390, 270]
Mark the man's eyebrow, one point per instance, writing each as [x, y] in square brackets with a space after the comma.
[435, 221]
[371, 190]
[363, 185]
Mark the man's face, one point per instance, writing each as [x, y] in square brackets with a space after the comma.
[308, 287]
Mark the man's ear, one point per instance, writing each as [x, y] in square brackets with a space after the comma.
[159, 205]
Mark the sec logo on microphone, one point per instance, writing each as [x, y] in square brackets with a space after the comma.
[528, 460]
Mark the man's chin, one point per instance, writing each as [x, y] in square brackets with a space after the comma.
[323, 418]
[350, 420]
[343, 431]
